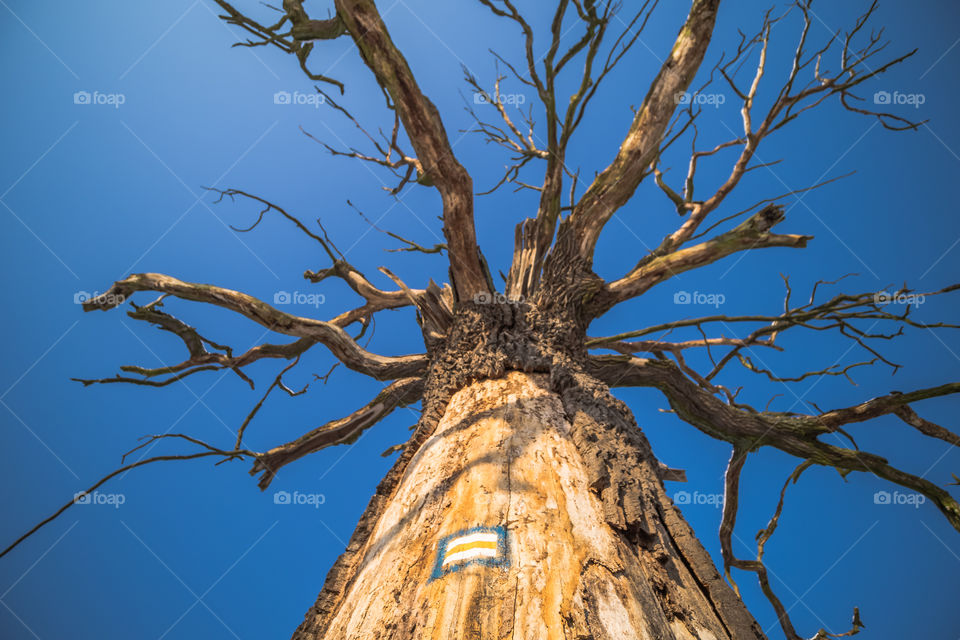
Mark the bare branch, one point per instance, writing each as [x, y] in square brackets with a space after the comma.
[614, 186]
[389, 153]
[842, 312]
[730, 505]
[796, 434]
[753, 233]
[298, 40]
[326, 333]
[423, 126]
[790, 102]
[277, 382]
[411, 245]
[345, 430]
[199, 358]
[208, 451]
[421, 120]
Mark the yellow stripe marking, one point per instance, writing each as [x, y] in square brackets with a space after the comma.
[480, 544]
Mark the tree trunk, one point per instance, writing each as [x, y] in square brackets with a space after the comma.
[526, 513]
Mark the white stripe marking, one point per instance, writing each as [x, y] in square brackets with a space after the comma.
[469, 554]
[483, 536]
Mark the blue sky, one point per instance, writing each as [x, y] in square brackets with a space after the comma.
[93, 192]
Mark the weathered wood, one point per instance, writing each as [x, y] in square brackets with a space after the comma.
[343, 430]
[427, 135]
[615, 185]
[329, 334]
[513, 453]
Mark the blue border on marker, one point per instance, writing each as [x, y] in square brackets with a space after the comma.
[500, 560]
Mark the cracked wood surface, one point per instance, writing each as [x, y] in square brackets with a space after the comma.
[503, 455]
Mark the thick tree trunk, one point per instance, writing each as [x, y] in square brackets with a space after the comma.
[526, 513]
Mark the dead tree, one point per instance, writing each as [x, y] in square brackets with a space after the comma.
[527, 502]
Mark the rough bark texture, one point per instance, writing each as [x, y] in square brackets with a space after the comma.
[424, 128]
[614, 186]
[516, 436]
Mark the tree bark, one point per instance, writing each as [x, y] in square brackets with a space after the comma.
[529, 511]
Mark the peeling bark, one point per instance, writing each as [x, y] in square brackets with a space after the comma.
[594, 548]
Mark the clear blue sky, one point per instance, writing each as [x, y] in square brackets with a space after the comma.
[92, 192]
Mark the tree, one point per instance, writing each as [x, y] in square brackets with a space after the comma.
[524, 471]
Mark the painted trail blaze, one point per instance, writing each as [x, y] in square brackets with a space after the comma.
[479, 545]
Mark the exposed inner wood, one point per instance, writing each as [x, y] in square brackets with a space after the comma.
[506, 454]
